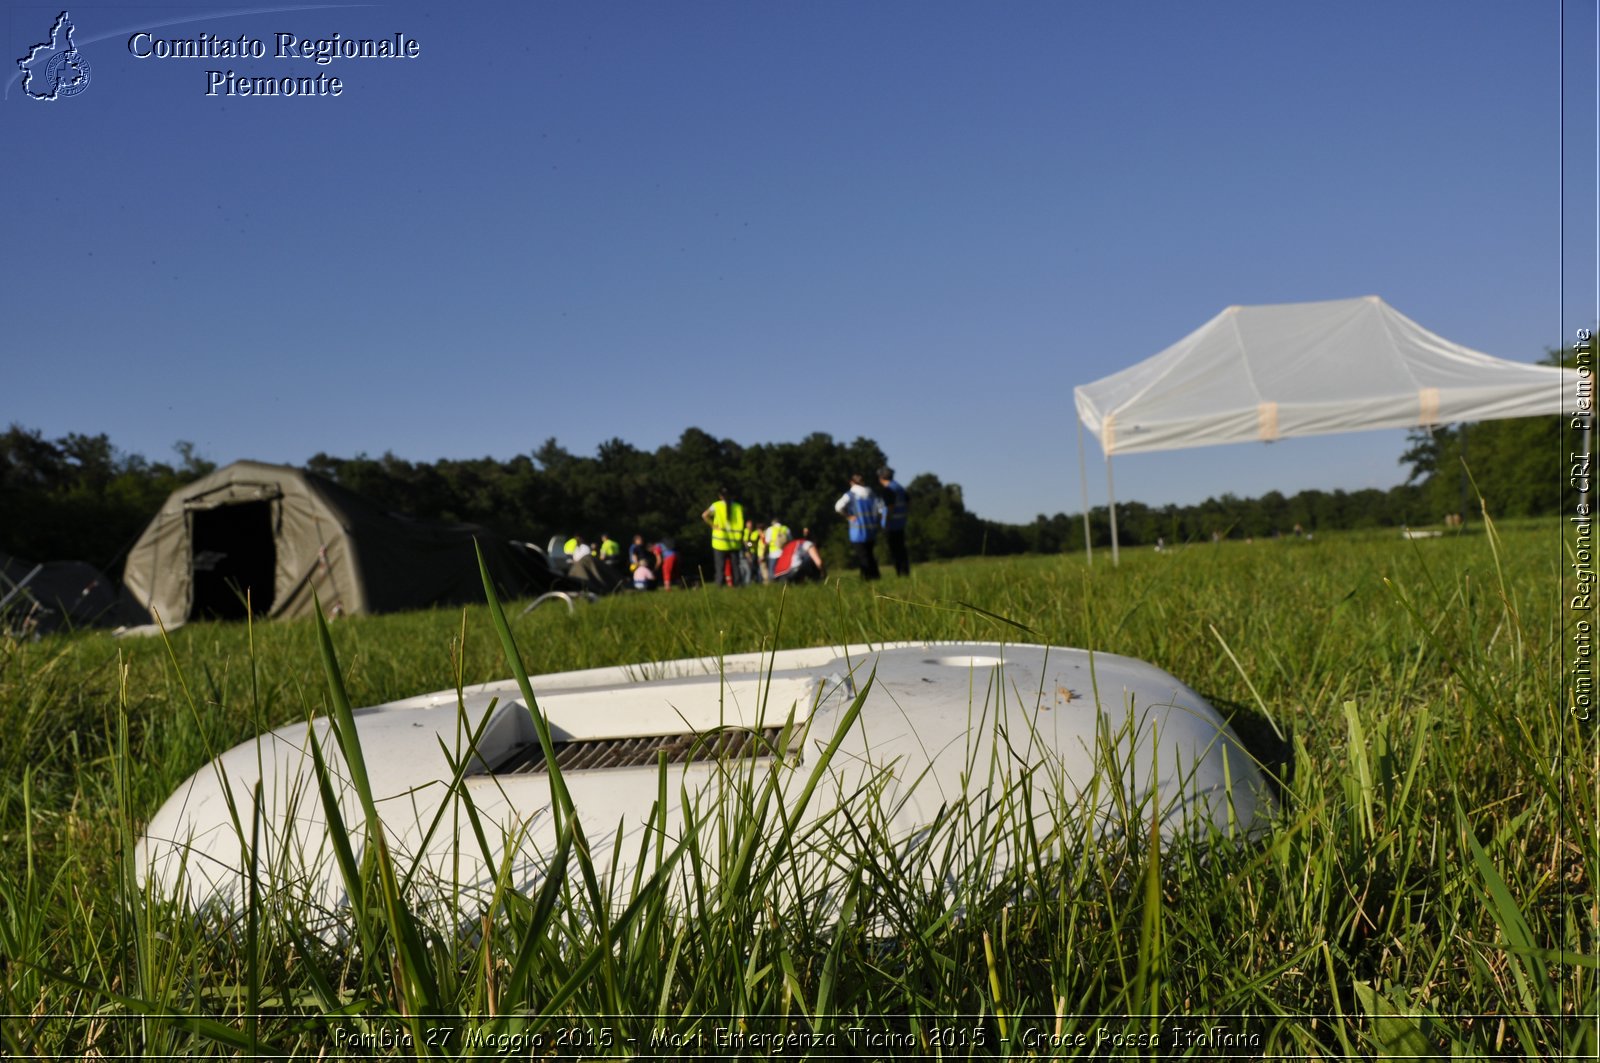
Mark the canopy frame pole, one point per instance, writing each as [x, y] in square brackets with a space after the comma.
[1083, 490]
[1111, 493]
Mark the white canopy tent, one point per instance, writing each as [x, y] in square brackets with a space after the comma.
[1299, 369]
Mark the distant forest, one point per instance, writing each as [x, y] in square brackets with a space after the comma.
[80, 498]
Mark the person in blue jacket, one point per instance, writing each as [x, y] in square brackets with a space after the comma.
[862, 507]
[897, 509]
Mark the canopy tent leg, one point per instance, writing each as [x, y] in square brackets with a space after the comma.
[1111, 493]
[1083, 489]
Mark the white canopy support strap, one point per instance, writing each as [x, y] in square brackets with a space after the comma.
[1428, 407]
[1267, 416]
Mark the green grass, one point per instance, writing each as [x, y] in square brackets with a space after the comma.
[1427, 889]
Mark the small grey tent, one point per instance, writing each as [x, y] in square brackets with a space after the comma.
[54, 595]
[284, 535]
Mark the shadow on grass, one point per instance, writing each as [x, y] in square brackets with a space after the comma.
[1260, 740]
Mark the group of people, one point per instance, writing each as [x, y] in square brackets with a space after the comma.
[649, 566]
[652, 565]
[743, 550]
[748, 551]
[874, 514]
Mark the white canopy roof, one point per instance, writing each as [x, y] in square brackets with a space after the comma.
[1299, 369]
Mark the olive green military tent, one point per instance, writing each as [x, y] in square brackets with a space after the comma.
[284, 536]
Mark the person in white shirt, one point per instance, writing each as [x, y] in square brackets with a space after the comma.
[863, 508]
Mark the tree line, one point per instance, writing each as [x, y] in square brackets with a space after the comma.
[79, 497]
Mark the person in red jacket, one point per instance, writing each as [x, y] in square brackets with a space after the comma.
[798, 561]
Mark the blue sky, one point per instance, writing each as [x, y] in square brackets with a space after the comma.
[918, 222]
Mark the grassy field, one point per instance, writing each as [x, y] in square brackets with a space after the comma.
[1428, 888]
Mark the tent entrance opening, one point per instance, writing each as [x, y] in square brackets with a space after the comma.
[234, 555]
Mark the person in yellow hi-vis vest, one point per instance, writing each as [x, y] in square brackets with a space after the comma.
[755, 551]
[777, 538]
[726, 518]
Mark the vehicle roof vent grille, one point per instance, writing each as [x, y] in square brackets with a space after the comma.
[729, 743]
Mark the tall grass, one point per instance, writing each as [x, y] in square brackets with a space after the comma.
[1428, 887]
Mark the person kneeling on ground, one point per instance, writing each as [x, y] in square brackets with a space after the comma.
[800, 560]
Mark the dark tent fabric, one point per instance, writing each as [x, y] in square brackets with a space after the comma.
[290, 537]
[592, 574]
[54, 595]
